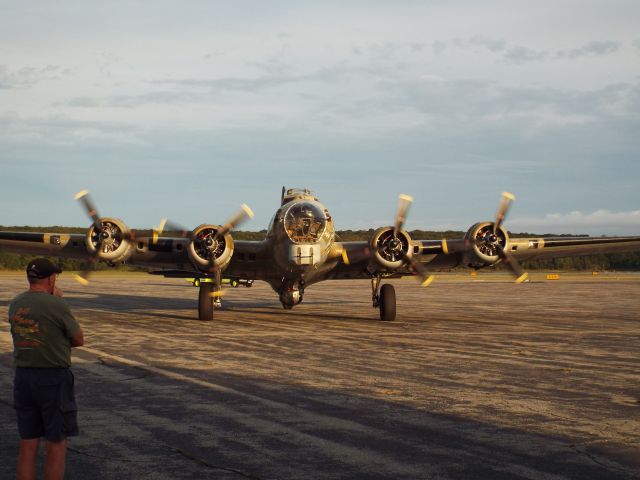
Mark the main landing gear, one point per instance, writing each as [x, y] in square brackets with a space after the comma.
[208, 300]
[383, 298]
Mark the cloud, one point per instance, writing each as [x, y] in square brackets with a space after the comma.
[596, 48]
[132, 101]
[26, 77]
[519, 54]
[254, 84]
[491, 44]
[595, 223]
[490, 104]
[52, 130]
[523, 54]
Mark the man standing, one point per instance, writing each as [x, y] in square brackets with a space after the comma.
[43, 331]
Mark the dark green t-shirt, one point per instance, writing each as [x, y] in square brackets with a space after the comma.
[42, 327]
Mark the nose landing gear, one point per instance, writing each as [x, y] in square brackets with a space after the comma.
[291, 297]
[291, 293]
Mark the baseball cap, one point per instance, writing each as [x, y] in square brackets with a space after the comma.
[41, 268]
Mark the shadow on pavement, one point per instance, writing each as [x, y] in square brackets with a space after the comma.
[175, 423]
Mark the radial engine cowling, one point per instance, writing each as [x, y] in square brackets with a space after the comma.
[208, 250]
[111, 243]
[484, 244]
[390, 251]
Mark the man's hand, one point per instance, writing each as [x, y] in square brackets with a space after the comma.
[78, 339]
[57, 292]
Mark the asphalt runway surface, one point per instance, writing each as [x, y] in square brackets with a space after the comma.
[478, 378]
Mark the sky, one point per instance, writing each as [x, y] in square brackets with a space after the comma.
[188, 109]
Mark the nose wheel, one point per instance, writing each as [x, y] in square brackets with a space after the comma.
[291, 296]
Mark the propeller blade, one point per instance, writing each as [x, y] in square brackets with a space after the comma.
[424, 277]
[85, 199]
[83, 277]
[505, 203]
[239, 217]
[157, 231]
[404, 202]
[513, 264]
[170, 227]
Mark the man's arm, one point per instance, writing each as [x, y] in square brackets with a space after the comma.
[78, 339]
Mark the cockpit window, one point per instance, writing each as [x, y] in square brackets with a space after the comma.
[304, 222]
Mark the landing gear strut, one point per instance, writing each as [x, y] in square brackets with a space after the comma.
[383, 298]
[207, 298]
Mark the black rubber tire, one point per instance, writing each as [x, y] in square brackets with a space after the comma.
[387, 303]
[205, 301]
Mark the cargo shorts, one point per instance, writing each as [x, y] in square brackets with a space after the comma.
[45, 403]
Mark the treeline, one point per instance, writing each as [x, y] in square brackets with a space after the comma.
[618, 261]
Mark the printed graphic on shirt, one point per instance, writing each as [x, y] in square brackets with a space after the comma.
[26, 331]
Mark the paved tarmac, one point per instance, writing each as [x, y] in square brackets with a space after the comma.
[478, 378]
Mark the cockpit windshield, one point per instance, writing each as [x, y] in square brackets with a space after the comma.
[305, 222]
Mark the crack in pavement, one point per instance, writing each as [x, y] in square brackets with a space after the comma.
[209, 465]
[606, 466]
[99, 457]
[145, 373]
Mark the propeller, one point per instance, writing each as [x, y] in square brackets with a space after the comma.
[424, 277]
[105, 234]
[210, 242]
[503, 208]
[404, 202]
[509, 260]
[393, 245]
[243, 214]
[84, 198]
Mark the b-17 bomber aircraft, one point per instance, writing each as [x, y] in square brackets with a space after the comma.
[300, 249]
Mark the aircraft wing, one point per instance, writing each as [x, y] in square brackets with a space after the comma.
[542, 248]
[452, 252]
[437, 255]
[166, 254]
[69, 245]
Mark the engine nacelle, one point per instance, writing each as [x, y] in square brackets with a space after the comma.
[208, 250]
[111, 243]
[389, 251]
[483, 243]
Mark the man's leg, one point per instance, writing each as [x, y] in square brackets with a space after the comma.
[54, 463]
[26, 469]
